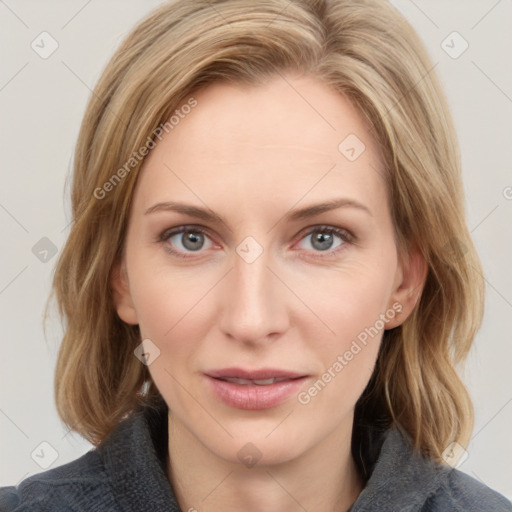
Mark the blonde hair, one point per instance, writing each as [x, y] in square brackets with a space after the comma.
[370, 54]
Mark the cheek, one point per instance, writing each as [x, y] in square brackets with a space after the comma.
[172, 308]
[352, 298]
[354, 305]
[357, 306]
[175, 313]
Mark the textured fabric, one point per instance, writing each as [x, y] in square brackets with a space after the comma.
[127, 473]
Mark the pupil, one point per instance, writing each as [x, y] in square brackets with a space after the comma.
[193, 241]
[322, 241]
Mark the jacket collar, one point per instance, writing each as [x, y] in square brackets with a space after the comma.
[402, 479]
[134, 456]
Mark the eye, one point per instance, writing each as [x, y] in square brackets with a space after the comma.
[185, 239]
[325, 239]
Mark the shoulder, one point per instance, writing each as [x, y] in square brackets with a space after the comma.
[125, 472]
[72, 486]
[402, 479]
[459, 491]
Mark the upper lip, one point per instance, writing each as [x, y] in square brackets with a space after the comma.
[257, 374]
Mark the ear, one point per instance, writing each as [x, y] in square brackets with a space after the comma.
[122, 296]
[409, 282]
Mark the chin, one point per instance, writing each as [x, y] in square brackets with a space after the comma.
[262, 446]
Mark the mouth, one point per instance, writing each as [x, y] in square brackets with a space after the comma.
[254, 382]
[254, 389]
[261, 374]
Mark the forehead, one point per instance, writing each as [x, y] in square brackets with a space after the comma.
[298, 114]
[281, 137]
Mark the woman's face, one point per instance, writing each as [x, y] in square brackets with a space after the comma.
[287, 268]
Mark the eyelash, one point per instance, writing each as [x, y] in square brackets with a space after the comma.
[343, 234]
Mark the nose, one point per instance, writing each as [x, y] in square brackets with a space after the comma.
[255, 306]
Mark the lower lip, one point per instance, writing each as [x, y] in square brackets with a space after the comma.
[255, 397]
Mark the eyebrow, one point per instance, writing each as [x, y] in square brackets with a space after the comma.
[294, 215]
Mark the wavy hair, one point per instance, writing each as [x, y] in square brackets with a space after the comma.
[371, 55]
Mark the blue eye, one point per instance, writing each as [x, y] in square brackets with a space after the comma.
[326, 238]
[186, 239]
[182, 241]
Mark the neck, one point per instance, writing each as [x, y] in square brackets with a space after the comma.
[323, 479]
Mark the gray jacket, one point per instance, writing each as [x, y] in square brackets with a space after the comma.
[126, 473]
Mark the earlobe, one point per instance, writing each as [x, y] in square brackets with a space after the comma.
[412, 275]
[123, 303]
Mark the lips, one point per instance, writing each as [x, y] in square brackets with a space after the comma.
[254, 375]
[254, 389]
[252, 382]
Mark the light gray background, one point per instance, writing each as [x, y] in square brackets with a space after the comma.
[42, 102]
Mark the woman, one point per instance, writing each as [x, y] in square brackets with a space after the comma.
[269, 278]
